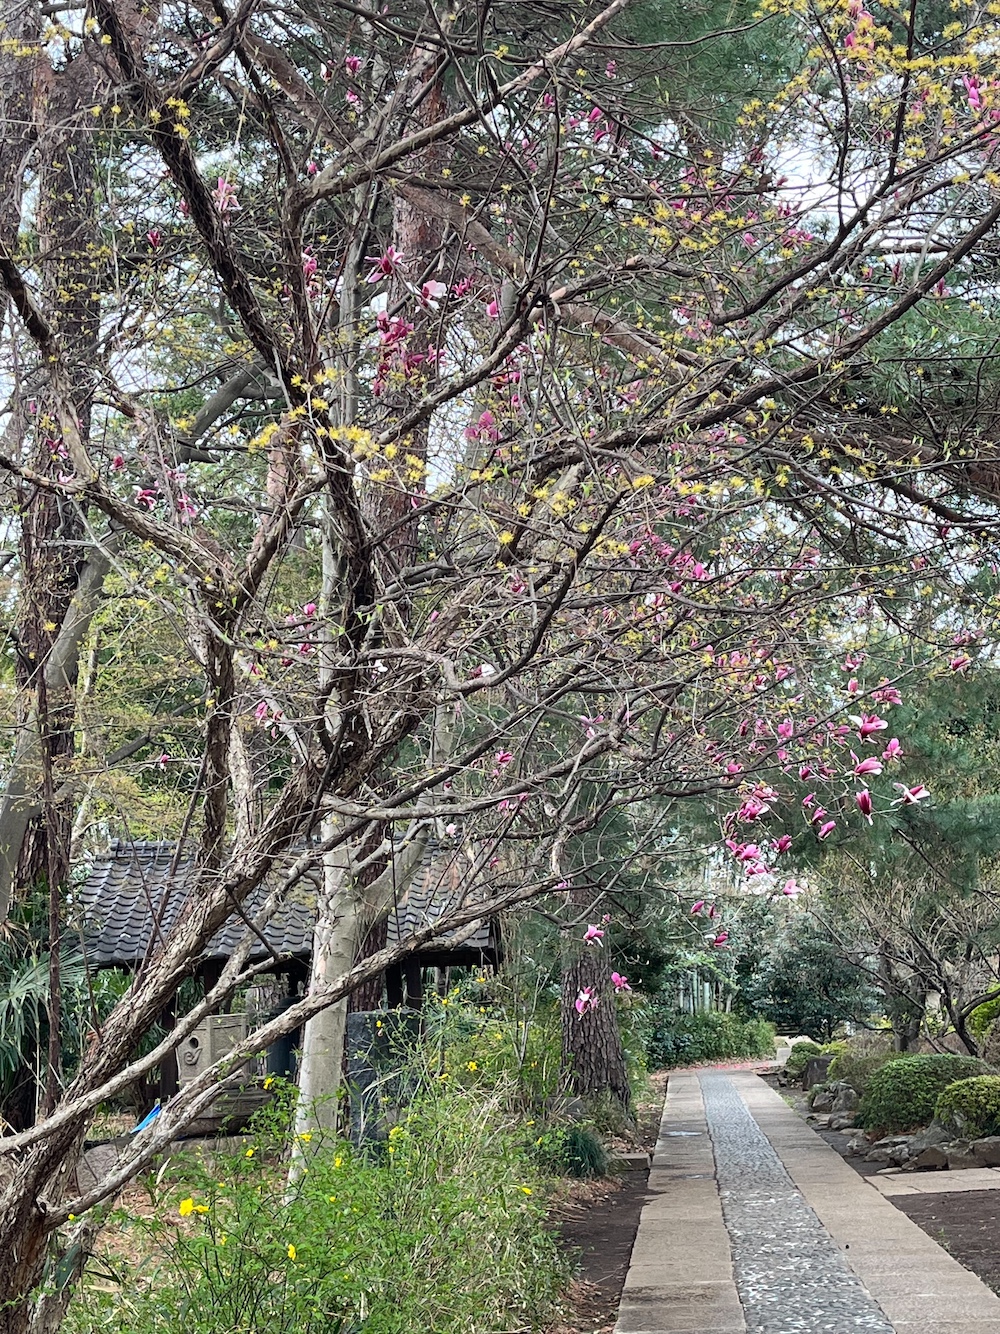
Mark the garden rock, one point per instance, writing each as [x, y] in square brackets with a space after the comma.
[930, 1159]
[932, 1136]
[847, 1098]
[823, 1100]
[843, 1122]
[857, 1145]
[988, 1150]
[816, 1071]
[960, 1155]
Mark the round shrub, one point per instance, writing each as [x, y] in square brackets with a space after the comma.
[971, 1107]
[904, 1093]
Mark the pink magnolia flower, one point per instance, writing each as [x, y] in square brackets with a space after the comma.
[619, 982]
[493, 309]
[309, 609]
[352, 64]
[805, 770]
[117, 463]
[720, 940]
[863, 801]
[311, 168]
[384, 266]
[808, 800]
[145, 496]
[790, 888]
[782, 844]
[261, 711]
[893, 750]
[887, 695]
[593, 935]
[225, 198]
[155, 238]
[431, 293]
[186, 508]
[696, 908]
[959, 663]
[909, 796]
[503, 757]
[869, 765]
[826, 830]
[586, 1000]
[484, 671]
[163, 760]
[868, 724]
[972, 92]
[310, 264]
[786, 730]
[325, 72]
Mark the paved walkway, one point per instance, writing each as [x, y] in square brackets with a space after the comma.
[755, 1224]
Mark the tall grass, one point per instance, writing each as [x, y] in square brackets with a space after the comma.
[441, 1228]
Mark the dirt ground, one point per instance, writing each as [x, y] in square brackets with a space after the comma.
[597, 1224]
[965, 1223]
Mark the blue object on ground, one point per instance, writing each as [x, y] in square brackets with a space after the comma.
[148, 1119]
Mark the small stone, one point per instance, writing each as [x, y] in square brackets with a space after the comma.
[858, 1144]
[988, 1150]
[822, 1100]
[930, 1159]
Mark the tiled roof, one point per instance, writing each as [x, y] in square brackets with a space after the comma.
[135, 884]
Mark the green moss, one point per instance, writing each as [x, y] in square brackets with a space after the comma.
[904, 1093]
[982, 1018]
[971, 1107]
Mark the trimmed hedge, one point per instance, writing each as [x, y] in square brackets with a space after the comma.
[971, 1107]
[904, 1093]
[686, 1039]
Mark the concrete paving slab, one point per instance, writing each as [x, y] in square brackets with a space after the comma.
[938, 1183]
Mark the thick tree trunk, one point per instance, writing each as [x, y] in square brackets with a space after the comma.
[592, 1052]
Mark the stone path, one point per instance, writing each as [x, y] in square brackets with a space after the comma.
[755, 1224]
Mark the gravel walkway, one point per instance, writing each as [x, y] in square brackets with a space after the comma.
[791, 1276]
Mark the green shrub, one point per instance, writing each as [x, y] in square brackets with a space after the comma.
[971, 1107]
[861, 1057]
[443, 1228]
[903, 1094]
[801, 1054]
[982, 1017]
[686, 1039]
